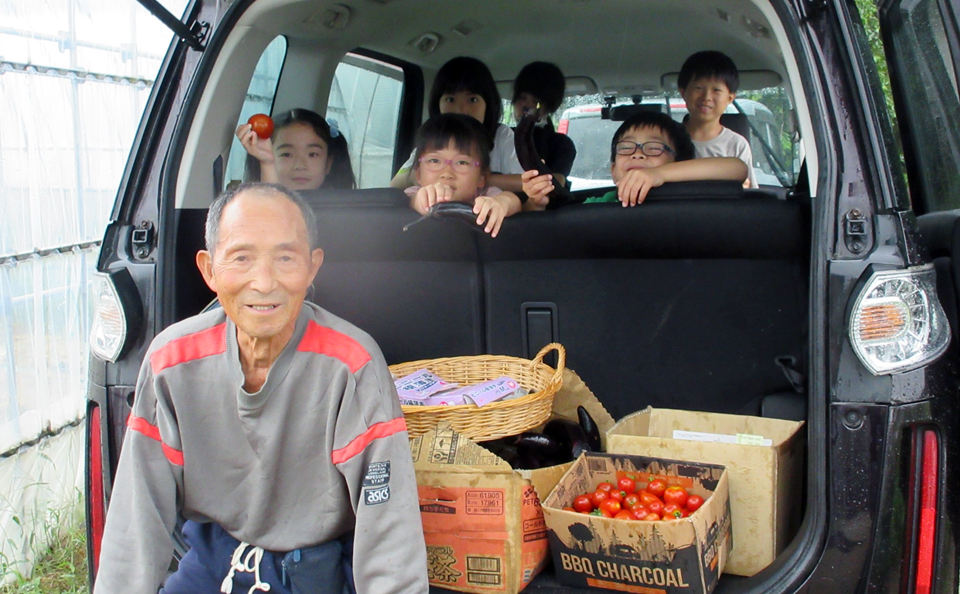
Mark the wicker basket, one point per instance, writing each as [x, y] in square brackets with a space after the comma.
[497, 419]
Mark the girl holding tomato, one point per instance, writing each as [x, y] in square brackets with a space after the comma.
[304, 152]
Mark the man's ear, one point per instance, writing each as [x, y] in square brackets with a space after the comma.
[205, 264]
[316, 261]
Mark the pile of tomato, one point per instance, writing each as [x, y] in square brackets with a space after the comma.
[624, 501]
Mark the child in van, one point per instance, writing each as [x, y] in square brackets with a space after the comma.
[708, 83]
[452, 164]
[304, 153]
[648, 149]
[465, 85]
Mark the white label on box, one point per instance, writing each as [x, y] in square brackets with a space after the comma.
[739, 438]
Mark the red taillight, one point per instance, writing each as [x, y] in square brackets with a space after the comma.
[563, 126]
[927, 529]
[95, 502]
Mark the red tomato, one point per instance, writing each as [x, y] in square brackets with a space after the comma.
[611, 506]
[657, 487]
[583, 504]
[652, 517]
[626, 484]
[598, 497]
[261, 124]
[632, 500]
[624, 514]
[672, 511]
[647, 498]
[605, 486]
[569, 509]
[601, 512]
[617, 496]
[693, 503]
[639, 512]
[655, 507]
[675, 495]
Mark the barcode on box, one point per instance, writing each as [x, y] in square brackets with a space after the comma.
[487, 579]
[483, 564]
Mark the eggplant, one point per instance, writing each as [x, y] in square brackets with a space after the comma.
[508, 453]
[570, 434]
[547, 450]
[529, 158]
[457, 211]
[590, 429]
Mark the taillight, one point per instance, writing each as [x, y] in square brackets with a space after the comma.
[929, 480]
[96, 505]
[897, 323]
[563, 126]
[117, 314]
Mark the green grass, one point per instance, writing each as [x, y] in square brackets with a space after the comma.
[62, 569]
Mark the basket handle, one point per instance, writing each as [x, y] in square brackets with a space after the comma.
[561, 359]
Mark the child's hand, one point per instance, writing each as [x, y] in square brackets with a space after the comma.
[427, 196]
[536, 187]
[260, 149]
[633, 187]
[493, 209]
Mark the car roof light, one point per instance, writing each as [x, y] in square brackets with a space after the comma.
[897, 323]
[117, 314]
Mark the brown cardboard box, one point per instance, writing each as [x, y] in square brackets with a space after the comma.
[765, 480]
[482, 519]
[665, 557]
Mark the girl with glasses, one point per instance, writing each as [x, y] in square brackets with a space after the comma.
[648, 149]
[452, 164]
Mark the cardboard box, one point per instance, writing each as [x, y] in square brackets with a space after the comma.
[765, 480]
[482, 519]
[665, 557]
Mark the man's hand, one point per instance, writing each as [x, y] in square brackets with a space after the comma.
[633, 187]
[427, 196]
[536, 187]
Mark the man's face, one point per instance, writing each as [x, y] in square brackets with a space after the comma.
[638, 160]
[261, 266]
[707, 99]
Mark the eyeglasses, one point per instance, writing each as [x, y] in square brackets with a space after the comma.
[650, 149]
[435, 164]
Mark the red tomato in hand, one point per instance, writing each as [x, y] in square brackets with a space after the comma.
[657, 487]
[693, 503]
[676, 495]
[611, 506]
[598, 497]
[261, 124]
[626, 484]
[583, 504]
[605, 486]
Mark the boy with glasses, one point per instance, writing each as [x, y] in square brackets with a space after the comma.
[648, 149]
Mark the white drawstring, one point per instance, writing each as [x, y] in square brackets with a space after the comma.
[241, 563]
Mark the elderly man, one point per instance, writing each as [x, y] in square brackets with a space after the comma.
[272, 426]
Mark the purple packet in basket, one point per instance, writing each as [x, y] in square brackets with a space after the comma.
[444, 399]
[486, 392]
[419, 385]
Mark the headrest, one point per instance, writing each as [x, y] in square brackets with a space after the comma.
[366, 198]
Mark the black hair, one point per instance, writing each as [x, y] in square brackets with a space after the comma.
[466, 133]
[543, 80]
[471, 75]
[709, 64]
[341, 172]
[215, 212]
[677, 135]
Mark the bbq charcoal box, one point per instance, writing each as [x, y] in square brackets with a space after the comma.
[482, 519]
[764, 458]
[682, 556]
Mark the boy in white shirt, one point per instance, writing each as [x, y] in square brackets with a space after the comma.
[708, 83]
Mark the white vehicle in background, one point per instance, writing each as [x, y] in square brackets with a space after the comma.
[592, 133]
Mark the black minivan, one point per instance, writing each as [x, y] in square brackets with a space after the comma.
[829, 296]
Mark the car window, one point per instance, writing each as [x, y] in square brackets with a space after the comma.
[365, 102]
[259, 99]
[929, 110]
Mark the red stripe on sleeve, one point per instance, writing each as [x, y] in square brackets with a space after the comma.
[376, 431]
[212, 341]
[141, 425]
[327, 341]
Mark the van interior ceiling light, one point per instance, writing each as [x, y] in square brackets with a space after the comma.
[108, 333]
[897, 323]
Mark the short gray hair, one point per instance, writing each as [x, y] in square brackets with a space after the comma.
[212, 230]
